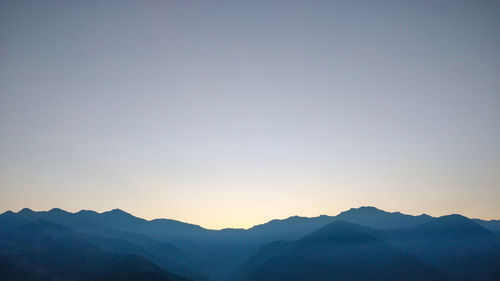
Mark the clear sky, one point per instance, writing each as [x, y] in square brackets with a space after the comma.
[228, 114]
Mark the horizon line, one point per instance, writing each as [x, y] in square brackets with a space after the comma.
[232, 228]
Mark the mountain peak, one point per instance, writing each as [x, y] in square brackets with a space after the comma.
[424, 215]
[376, 218]
[340, 231]
[452, 225]
[117, 212]
[25, 211]
[364, 209]
[86, 212]
[119, 218]
[58, 211]
[454, 218]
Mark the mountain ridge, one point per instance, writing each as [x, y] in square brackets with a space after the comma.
[119, 212]
[200, 254]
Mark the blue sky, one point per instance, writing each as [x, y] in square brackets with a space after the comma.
[230, 113]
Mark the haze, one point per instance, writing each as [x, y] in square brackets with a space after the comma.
[227, 114]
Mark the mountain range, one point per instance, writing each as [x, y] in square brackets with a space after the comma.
[363, 243]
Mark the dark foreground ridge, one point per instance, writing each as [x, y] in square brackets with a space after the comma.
[359, 244]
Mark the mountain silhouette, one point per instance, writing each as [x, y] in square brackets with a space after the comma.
[100, 227]
[378, 219]
[454, 244]
[453, 247]
[491, 225]
[42, 250]
[337, 251]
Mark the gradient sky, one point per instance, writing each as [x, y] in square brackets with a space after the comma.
[228, 114]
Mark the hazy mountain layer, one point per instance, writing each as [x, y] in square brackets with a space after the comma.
[337, 251]
[42, 250]
[452, 246]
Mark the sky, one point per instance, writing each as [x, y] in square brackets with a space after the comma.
[232, 113]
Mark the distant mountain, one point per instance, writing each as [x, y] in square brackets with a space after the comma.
[337, 251]
[454, 244]
[200, 254]
[115, 219]
[378, 219]
[454, 226]
[491, 225]
[42, 250]
[288, 229]
[295, 227]
[99, 226]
